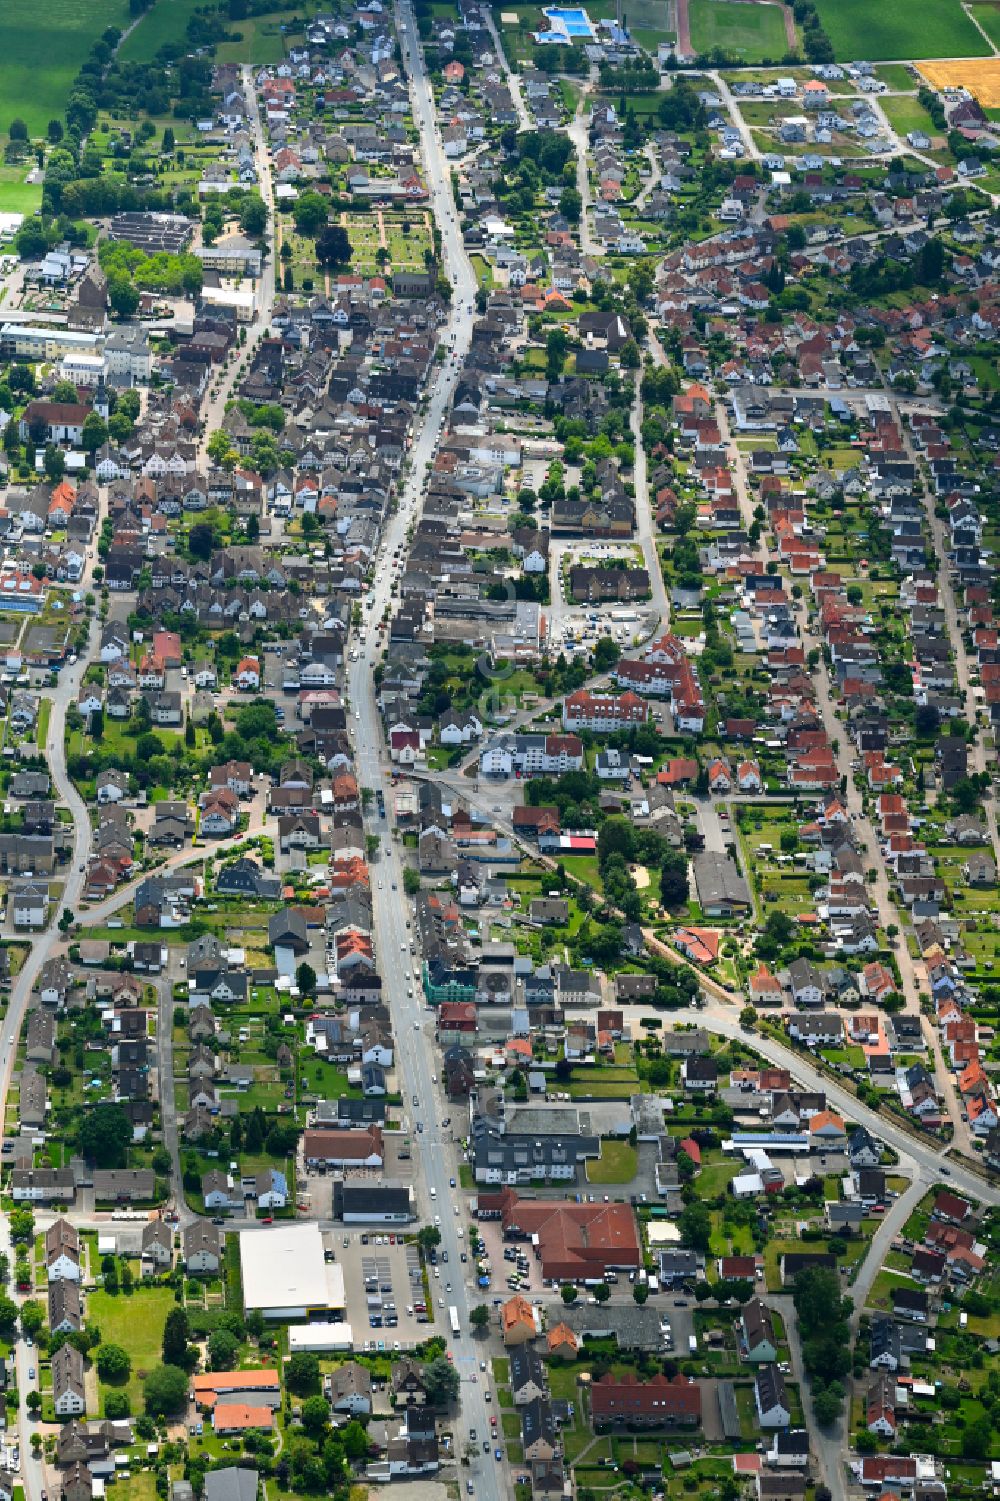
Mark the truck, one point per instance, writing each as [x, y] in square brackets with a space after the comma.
[693, 1343]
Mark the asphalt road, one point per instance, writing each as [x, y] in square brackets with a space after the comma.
[239, 357]
[413, 1024]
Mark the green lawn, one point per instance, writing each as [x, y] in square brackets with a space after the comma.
[136, 1323]
[898, 29]
[584, 868]
[752, 33]
[261, 42]
[616, 1164]
[166, 22]
[906, 114]
[16, 195]
[42, 52]
[42, 727]
[139, 1487]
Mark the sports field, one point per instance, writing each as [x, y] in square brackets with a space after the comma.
[42, 49]
[899, 29]
[981, 78]
[749, 32]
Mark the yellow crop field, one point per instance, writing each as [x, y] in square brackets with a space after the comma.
[980, 75]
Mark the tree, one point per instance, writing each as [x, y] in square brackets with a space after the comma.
[411, 881]
[18, 130]
[104, 1136]
[22, 1224]
[222, 1348]
[441, 1381]
[55, 463]
[826, 1408]
[221, 451]
[168, 143]
[176, 1333]
[305, 979]
[333, 246]
[428, 1237]
[117, 1405]
[32, 1316]
[602, 1292]
[33, 1402]
[310, 214]
[8, 1316]
[571, 204]
[695, 1226]
[120, 427]
[674, 879]
[95, 433]
[202, 542]
[640, 1292]
[354, 1438]
[253, 215]
[113, 1363]
[123, 296]
[165, 1390]
[55, 131]
[315, 1415]
[302, 1374]
[976, 1439]
[606, 654]
[479, 1317]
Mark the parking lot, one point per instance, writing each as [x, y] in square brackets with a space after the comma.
[381, 1281]
[531, 1280]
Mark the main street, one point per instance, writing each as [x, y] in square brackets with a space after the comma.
[399, 968]
[239, 357]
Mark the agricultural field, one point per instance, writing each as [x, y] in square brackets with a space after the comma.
[988, 17]
[896, 30]
[981, 78]
[61, 34]
[754, 33]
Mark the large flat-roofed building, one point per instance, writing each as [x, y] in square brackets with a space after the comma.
[285, 1275]
[29, 341]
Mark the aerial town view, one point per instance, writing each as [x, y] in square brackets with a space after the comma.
[499, 723]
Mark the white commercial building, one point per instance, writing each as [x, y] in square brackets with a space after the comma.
[320, 1337]
[285, 1275]
[83, 369]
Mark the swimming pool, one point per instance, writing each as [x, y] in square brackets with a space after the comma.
[574, 23]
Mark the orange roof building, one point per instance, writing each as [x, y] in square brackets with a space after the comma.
[517, 1321]
[563, 1342]
[237, 1417]
[210, 1387]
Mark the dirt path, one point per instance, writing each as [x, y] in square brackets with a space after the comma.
[684, 48]
[790, 37]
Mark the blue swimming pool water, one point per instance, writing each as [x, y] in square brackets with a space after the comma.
[575, 22]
